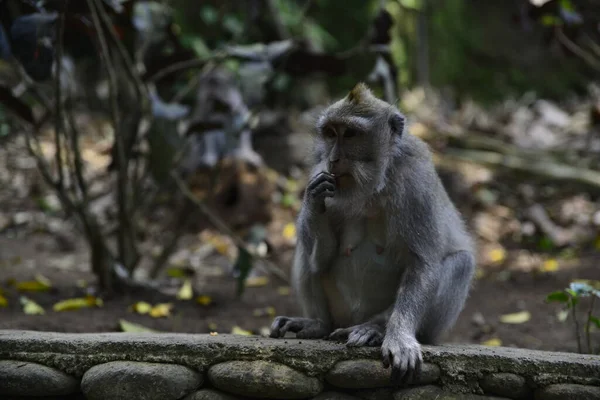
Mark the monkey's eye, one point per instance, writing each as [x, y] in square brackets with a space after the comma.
[329, 132]
[348, 133]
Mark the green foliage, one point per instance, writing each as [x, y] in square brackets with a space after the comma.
[571, 297]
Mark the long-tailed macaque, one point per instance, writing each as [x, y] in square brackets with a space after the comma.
[383, 256]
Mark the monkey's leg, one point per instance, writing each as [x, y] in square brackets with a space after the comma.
[316, 322]
[452, 292]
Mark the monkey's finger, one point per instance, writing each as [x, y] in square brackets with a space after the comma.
[278, 322]
[320, 178]
[385, 357]
[322, 188]
[375, 341]
[359, 337]
[411, 370]
[292, 325]
[340, 334]
[400, 366]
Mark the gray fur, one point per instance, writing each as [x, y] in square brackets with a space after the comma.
[413, 291]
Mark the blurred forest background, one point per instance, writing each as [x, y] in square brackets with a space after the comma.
[153, 154]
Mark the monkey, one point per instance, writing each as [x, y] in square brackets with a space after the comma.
[373, 188]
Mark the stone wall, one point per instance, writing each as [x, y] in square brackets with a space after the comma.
[197, 367]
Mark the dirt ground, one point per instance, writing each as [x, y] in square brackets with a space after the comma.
[490, 298]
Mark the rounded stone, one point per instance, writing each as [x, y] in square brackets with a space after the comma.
[335, 396]
[368, 374]
[139, 380]
[507, 385]
[435, 393]
[30, 379]
[209, 394]
[263, 379]
[565, 391]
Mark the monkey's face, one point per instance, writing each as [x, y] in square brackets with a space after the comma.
[356, 139]
[349, 153]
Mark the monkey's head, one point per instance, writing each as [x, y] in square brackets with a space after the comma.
[357, 138]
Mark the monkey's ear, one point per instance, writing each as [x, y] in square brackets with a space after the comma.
[359, 93]
[397, 122]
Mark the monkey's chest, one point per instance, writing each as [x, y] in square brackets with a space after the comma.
[361, 237]
[361, 282]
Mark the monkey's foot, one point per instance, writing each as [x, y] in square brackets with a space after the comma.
[304, 328]
[367, 334]
[403, 353]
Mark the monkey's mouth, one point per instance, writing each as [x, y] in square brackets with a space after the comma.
[344, 180]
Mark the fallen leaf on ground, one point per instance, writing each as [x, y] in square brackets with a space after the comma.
[550, 265]
[40, 284]
[261, 312]
[161, 310]
[127, 326]
[562, 315]
[284, 290]
[494, 342]
[213, 334]
[141, 307]
[497, 255]
[186, 292]
[77, 303]
[289, 231]
[204, 300]
[257, 281]
[30, 307]
[82, 283]
[516, 318]
[236, 330]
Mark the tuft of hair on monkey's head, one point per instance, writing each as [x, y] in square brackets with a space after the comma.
[360, 103]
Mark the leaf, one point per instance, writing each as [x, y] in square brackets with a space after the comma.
[180, 272]
[203, 300]
[212, 326]
[213, 333]
[257, 281]
[550, 265]
[494, 342]
[236, 330]
[284, 290]
[244, 265]
[261, 312]
[562, 315]
[186, 292]
[595, 321]
[40, 284]
[77, 303]
[289, 231]
[30, 307]
[161, 310]
[497, 255]
[3, 301]
[127, 326]
[141, 307]
[560, 296]
[516, 318]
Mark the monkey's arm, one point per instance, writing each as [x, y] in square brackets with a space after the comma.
[318, 240]
[418, 231]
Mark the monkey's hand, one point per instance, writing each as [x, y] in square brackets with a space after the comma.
[367, 334]
[403, 352]
[319, 187]
[304, 328]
